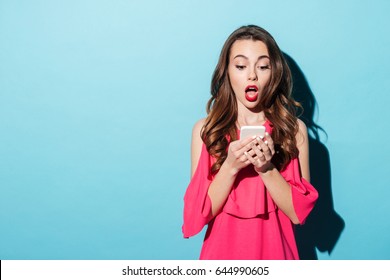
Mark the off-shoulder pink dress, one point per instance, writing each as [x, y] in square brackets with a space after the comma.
[250, 225]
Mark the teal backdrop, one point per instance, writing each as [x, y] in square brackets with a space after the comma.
[97, 103]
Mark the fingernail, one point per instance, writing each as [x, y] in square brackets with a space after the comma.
[266, 142]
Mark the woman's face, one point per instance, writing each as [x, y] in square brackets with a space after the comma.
[249, 71]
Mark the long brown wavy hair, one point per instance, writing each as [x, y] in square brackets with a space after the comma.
[277, 103]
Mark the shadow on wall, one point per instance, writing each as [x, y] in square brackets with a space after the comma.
[323, 227]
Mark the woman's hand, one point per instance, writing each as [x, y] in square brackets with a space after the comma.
[236, 158]
[261, 153]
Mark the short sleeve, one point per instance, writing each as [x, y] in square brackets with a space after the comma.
[304, 195]
[197, 204]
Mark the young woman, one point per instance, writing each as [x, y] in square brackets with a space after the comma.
[250, 192]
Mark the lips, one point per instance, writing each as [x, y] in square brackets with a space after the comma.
[251, 93]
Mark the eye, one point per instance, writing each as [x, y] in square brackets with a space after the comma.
[240, 67]
[264, 67]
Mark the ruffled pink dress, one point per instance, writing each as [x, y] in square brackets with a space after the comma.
[250, 225]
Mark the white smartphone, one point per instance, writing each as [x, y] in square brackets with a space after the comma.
[250, 130]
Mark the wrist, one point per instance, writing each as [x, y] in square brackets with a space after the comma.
[229, 169]
[266, 169]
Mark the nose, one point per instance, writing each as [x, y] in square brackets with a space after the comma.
[252, 75]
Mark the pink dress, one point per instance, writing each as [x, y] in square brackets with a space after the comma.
[250, 225]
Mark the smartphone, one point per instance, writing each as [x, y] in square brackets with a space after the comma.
[250, 130]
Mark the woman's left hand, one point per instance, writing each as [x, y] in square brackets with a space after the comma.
[261, 153]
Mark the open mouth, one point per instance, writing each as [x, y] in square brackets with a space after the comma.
[251, 93]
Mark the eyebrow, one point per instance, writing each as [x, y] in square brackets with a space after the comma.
[243, 56]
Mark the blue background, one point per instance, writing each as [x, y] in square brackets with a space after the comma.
[98, 100]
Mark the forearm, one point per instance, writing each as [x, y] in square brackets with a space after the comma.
[280, 192]
[220, 187]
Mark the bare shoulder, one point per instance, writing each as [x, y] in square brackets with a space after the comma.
[196, 130]
[302, 126]
[199, 124]
[301, 136]
[196, 145]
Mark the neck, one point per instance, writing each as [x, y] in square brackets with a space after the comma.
[249, 117]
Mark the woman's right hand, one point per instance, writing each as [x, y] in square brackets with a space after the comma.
[236, 159]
